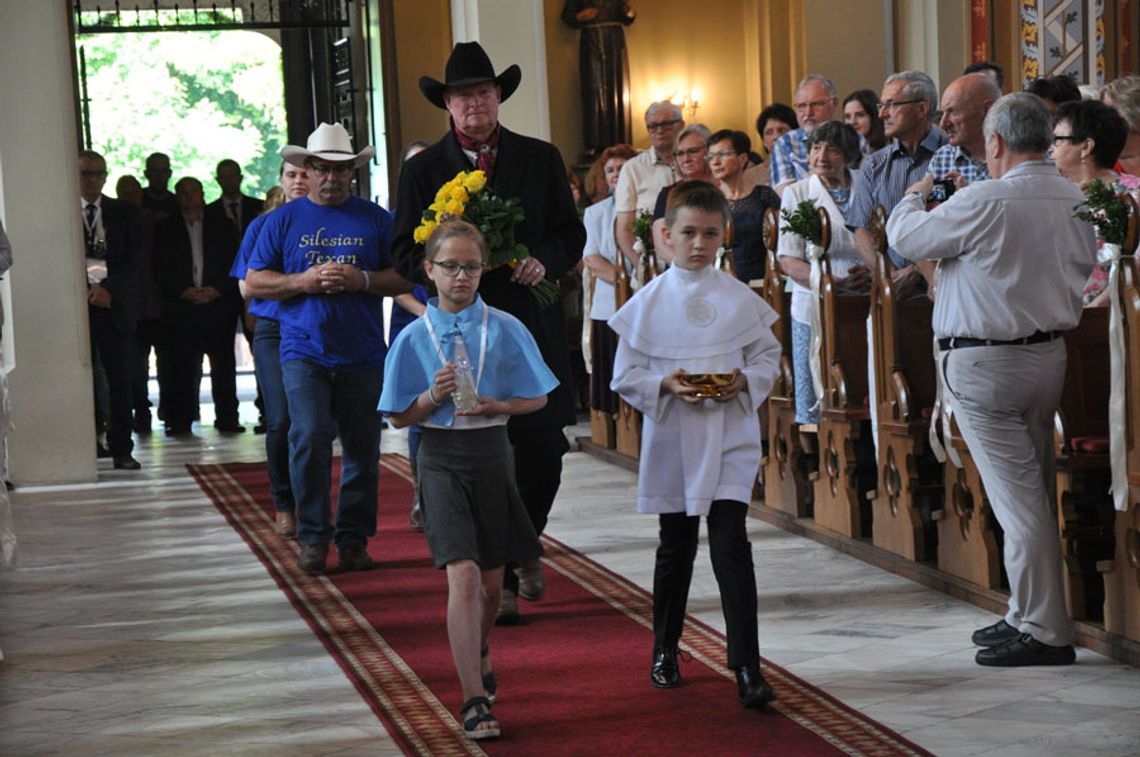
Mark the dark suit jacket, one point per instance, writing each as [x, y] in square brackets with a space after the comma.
[124, 261]
[173, 267]
[533, 171]
[250, 209]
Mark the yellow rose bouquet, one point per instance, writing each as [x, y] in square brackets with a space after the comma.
[467, 196]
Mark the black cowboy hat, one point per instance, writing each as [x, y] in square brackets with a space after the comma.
[469, 65]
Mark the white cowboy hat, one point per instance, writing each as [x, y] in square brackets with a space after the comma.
[329, 142]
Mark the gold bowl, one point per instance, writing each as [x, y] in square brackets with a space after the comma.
[708, 385]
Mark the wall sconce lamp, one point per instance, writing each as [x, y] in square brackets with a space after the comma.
[688, 102]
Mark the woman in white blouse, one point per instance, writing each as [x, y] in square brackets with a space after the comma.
[832, 148]
[602, 257]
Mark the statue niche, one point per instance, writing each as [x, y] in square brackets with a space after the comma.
[604, 69]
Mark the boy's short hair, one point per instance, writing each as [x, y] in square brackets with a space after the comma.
[454, 228]
[696, 194]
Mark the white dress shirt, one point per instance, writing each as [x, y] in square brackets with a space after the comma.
[96, 267]
[194, 229]
[1012, 258]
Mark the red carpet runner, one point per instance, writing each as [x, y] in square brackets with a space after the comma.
[573, 679]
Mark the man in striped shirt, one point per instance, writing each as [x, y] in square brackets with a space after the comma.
[908, 103]
[816, 101]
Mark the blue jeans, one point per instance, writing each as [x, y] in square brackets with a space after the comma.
[806, 409]
[323, 403]
[267, 367]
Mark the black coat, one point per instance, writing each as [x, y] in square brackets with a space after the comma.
[533, 171]
[250, 209]
[174, 268]
[123, 230]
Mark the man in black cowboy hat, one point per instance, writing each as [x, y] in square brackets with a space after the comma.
[532, 171]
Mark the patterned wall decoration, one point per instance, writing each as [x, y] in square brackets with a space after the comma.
[1063, 37]
[979, 30]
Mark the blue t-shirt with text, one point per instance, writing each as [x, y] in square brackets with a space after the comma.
[257, 306]
[339, 331]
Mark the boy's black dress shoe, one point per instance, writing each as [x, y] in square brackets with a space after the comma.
[665, 674]
[753, 690]
[996, 635]
[1025, 650]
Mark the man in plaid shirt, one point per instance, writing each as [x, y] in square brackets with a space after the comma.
[964, 106]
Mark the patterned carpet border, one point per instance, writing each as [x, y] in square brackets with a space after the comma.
[414, 717]
[418, 720]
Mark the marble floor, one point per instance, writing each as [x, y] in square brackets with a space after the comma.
[138, 623]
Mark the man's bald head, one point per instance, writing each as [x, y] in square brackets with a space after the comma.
[964, 106]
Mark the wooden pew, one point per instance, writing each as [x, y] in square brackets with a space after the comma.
[910, 478]
[1121, 573]
[968, 544]
[843, 416]
[602, 425]
[1084, 505]
[627, 430]
[786, 486]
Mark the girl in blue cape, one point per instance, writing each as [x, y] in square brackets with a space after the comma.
[475, 520]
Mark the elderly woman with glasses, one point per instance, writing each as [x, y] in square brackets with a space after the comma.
[747, 201]
[833, 148]
[1087, 139]
[689, 152]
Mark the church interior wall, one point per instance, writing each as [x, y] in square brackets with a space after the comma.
[54, 436]
[423, 42]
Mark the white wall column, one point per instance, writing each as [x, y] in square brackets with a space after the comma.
[52, 404]
[511, 31]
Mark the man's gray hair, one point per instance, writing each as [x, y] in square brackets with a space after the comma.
[917, 85]
[826, 83]
[1022, 122]
[663, 105]
[700, 130]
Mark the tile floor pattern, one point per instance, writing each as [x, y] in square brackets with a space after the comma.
[139, 623]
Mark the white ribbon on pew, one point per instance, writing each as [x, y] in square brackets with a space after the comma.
[940, 418]
[1117, 440]
[814, 255]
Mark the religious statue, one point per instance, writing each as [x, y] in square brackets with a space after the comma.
[604, 68]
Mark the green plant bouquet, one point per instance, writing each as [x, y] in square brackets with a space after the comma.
[803, 222]
[468, 197]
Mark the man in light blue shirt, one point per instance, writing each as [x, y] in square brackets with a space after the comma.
[816, 101]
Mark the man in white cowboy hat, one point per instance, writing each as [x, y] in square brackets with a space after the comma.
[532, 171]
[326, 258]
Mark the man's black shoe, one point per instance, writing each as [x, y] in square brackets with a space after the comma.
[229, 427]
[177, 429]
[313, 558]
[1025, 650]
[101, 452]
[754, 691]
[665, 673]
[996, 635]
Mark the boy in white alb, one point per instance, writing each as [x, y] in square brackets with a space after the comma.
[699, 456]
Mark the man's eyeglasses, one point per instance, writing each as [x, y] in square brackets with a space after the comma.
[893, 105]
[720, 155]
[662, 125]
[692, 152]
[338, 169]
[93, 174]
[451, 269]
[1059, 138]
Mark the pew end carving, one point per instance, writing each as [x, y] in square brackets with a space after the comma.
[846, 471]
[786, 486]
[910, 489]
